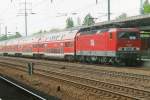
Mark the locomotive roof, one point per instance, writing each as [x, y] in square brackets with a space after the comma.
[103, 29]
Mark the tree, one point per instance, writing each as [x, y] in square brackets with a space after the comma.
[69, 22]
[146, 7]
[39, 32]
[122, 16]
[5, 37]
[54, 30]
[88, 20]
[18, 35]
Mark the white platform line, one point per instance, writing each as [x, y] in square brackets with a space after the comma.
[22, 88]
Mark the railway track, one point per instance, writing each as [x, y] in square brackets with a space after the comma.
[102, 72]
[19, 89]
[126, 76]
[90, 85]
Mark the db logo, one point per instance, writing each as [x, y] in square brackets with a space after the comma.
[128, 45]
[92, 42]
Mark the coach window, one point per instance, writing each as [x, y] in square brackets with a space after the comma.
[110, 35]
[68, 44]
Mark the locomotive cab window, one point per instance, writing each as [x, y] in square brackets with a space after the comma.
[128, 35]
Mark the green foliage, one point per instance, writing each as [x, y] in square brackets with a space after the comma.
[146, 7]
[39, 32]
[69, 22]
[88, 20]
[54, 30]
[122, 16]
[4, 37]
[17, 35]
[46, 31]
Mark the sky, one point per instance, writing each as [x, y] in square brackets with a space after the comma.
[44, 15]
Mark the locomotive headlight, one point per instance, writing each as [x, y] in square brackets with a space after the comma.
[134, 49]
[137, 49]
[120, 49]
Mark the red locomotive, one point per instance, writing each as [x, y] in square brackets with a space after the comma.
[90, 44]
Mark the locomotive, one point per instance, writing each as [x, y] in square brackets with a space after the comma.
[89, 44]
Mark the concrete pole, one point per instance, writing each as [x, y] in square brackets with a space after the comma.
[108, 10]
[6, 31]
[141, 7]
[26, 19]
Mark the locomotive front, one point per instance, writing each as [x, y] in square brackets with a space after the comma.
[128, 45]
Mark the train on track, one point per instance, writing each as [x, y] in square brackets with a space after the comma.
[145, 48]
[89, 44]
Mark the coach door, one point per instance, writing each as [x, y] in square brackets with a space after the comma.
[77, 44]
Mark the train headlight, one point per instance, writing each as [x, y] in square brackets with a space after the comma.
[137, 49]
[120, 49]
[134, 49]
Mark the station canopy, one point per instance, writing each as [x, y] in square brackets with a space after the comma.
[142, 22]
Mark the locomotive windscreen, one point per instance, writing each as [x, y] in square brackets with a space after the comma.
[128, 35]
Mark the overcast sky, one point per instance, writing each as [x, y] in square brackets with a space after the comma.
[53, 15]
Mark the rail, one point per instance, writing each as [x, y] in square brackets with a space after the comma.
[22, 88]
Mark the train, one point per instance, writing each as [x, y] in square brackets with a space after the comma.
[145, 48]
[88, 44]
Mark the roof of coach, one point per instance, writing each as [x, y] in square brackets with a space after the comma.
[12, 41]
[63, 35]
[2, 42]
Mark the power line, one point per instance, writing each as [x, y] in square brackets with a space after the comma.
[39, 3]
[25, 14]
